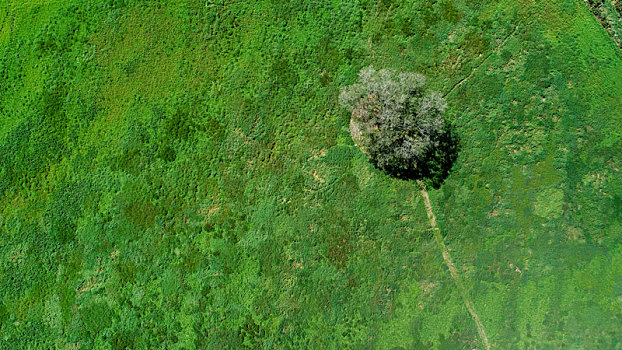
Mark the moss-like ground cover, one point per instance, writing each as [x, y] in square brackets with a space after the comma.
[179, 175]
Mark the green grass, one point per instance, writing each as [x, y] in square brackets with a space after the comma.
[179, 175]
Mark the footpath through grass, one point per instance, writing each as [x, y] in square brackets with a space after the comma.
[533, 210]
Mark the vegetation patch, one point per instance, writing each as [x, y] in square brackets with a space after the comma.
[180, 175]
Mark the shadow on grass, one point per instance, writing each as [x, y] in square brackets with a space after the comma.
[435, 166]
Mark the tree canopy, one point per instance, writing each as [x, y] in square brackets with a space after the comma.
[395, 121]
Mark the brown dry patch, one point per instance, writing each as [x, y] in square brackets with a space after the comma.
[114, 254]
[317, 154]
[338, 251]
[575, 234]
[94, 280]
[317, 177]
[515, 268]
[207, 212]
[595, 180]
[18, 256]
[427, 287]
[88, 286]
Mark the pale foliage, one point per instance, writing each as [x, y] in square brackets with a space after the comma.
[393, 120]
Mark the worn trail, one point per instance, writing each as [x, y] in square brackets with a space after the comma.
[452, 268]
[481, 62]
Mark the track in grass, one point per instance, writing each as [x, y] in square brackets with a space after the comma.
[482, 62]
[452, 268]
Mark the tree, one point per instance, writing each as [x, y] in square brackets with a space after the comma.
[396, 123]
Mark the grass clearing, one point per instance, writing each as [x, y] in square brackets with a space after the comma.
[179, 175]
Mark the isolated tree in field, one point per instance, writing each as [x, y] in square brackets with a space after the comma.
[399, 126]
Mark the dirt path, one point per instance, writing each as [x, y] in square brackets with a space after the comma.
[452, 268]
[482, 62]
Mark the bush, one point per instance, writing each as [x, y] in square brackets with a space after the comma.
[396, 123]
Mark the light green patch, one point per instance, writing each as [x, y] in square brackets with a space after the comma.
[533, 303]
[5, 26]
[549, 203]
[393, 334]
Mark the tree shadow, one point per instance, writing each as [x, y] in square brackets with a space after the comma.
[435, 165]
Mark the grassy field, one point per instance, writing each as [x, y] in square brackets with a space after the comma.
[178, 174]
